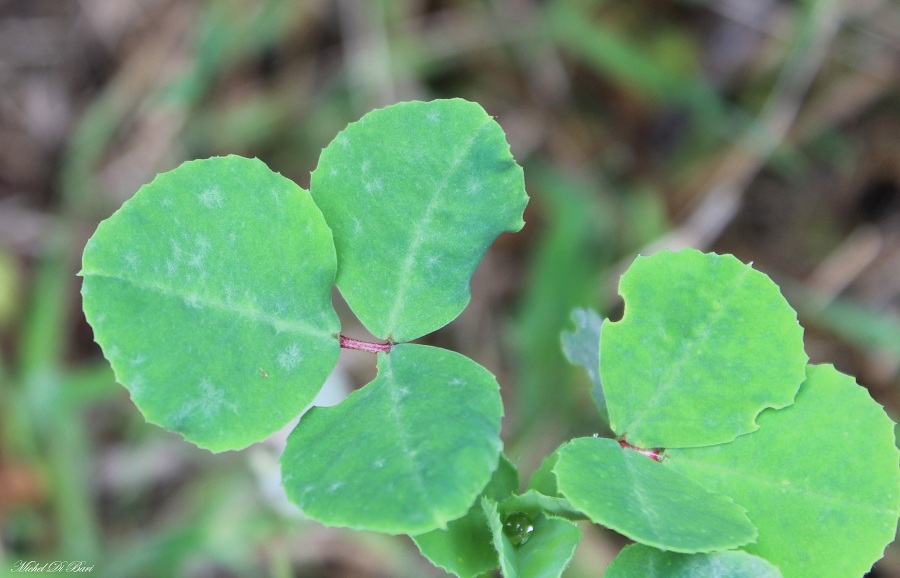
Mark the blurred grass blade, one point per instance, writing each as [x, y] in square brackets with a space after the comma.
[603, 48]
[563, 274]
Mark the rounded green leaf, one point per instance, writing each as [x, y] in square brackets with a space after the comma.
[545, 554]
[706, 343]
[642, 499]
[820, 479]
[646, 562]
[414, 194]
[407, 453]
[465, 547]
[210, 294]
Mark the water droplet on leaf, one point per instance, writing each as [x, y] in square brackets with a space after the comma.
[518, 527]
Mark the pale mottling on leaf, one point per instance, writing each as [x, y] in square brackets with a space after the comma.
[203, 243]
[131, 260]
[213, 400]
[193, 301]
[210, 404]
[196, 260]
[290, 358]
[211, 198]
[136, 383]
[229, 293]
[276, 195]
[374, 185]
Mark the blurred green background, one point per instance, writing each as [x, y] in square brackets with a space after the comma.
[765, 128]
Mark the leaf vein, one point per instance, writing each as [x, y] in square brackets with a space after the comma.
[400, 428]
[688, 347]
[769, 485]
[420, 227]
[195, 300]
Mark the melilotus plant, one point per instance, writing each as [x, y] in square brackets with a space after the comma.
[210, 294]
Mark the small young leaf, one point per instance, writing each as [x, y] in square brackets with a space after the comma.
[640, 498]
[824, 495]
[533, 502]
[543, 480]
[646, 562]
[210, 294]
[465, 547]
[582, 347]
[407, 453]
[414, 194]
[546, 552]
[706, 344]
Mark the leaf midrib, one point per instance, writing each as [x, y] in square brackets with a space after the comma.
[646, 506]
[279, 324]
[403, 435]
[768, 485]
[676, 369]
[419, 228]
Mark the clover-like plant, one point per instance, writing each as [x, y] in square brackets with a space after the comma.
[750, 448]
[210, 294]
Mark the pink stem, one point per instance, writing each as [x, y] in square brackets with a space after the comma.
[350, 343]
[653, 454]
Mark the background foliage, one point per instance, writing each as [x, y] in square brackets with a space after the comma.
[766, 129]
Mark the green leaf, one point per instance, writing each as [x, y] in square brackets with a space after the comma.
[820, 479]
[647, 562]
[706, 343]
[465, 547]
[534, 502]
[545, 554]
[642, 499]
[414, 194]
[210, 294]
[543, 480]
[407, 453]
[582, 347]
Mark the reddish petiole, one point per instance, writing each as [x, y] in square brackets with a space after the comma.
[350, 343]
[653, 454]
